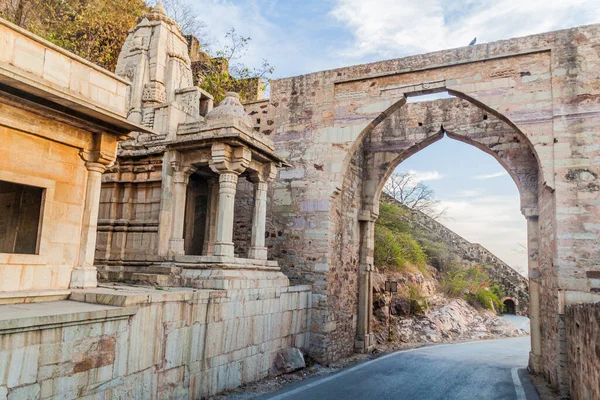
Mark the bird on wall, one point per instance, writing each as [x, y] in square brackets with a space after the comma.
[473, 41]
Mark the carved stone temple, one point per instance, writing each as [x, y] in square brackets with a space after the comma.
[167, 205]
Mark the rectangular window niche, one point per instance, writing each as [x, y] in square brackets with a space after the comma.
[20, 217]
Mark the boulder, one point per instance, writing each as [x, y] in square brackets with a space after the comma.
[287, 360]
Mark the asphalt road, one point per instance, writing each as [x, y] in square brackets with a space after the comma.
[481, 370]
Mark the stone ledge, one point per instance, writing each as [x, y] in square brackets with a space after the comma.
[36, 316]
[221, 262]
[129, 295]
[33, 296]
[297, 288]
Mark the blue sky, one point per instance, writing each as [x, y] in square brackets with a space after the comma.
[299, 37]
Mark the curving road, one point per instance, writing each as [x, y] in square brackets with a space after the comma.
[492, 369]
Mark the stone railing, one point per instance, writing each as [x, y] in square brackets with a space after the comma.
[33, 61]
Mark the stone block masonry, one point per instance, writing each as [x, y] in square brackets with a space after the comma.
[583, 348]
[131, 342]
[538, 95]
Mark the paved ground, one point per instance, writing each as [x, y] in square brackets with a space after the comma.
[476, 370]
[518, 321]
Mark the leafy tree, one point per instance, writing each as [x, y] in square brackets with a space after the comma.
[223, 72]
[405, 189]
[395, 246]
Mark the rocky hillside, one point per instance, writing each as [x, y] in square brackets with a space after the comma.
[513, 284]
[437, 319]
[448, 289]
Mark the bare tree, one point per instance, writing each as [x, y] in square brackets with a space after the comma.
[405, 189]
[188, 18]
[19, 11]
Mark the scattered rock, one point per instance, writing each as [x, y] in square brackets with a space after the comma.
[287, 360]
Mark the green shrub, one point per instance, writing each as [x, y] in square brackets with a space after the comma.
[411, 249]
[393, 217]
[418, 302]
[388, 253]
[473, 285]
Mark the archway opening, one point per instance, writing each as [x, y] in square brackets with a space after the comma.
[510, 307]
[415, 128]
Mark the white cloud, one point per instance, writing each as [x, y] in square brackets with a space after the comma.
[468, 193]
[390, 28]
[422, 176]
[492, 222]
[491, 176]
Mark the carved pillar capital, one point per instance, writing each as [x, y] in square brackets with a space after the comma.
[265, 174]
[367, 216]
[103, 150]
[228, 159]
[530, 212]
[95, 167]
[181, 172]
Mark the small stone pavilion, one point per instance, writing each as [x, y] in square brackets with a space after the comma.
[167, 205]
[60, 120]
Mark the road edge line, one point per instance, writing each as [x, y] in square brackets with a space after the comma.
[518, 384]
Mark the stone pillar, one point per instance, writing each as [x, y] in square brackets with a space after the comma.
[181, 177]
[229, 162]
[210, 233]
[364, 336]
[224, 238]
[84, 275]
[258, 250]
[535, 355]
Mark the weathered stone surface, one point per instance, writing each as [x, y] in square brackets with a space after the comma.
[583, 347]
[29, 392]
[159, 349]
[287, 360]
[352, 125]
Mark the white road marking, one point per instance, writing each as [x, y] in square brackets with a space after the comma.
[518, 385]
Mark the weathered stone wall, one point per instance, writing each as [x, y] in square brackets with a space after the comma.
[512, 283]
[242, 222]
[542, 86]
[129, 209]
[583, 349]
[342, 276]
[180, 343]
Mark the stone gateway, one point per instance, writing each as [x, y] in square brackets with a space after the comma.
[251, 226]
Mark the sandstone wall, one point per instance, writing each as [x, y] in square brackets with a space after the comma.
[512, 283]
[178, 344]
[43, 161]
[583, 349]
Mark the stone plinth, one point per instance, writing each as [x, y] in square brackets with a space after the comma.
[135, 342]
